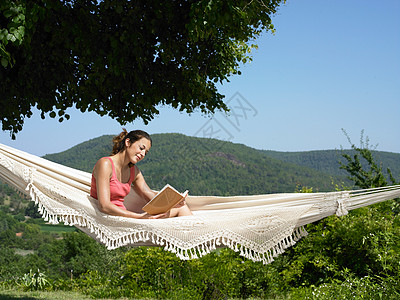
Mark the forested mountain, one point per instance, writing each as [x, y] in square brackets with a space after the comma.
[207, 166]
[327, 161]
[84, 156]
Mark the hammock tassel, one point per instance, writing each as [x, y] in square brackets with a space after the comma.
[302, 232]
[203, 251]
[207, 248]
[170, 247]
[341, 209]
[166, 247]
[51, 219]
[241, 251]
[174, 249]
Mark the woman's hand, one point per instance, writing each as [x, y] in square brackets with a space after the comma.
[183, 201]
[158, 216]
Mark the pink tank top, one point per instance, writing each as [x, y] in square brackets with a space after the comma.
[118, 190]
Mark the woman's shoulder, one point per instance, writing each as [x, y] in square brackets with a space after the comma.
[135, 170]
[104, 161]
[103, 164]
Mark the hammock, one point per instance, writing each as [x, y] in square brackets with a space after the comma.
[260, 227]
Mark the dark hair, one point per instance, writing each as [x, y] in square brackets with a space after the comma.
[133, 136]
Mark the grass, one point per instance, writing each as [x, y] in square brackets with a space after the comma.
[10, 294]
[7, 201]
[59, 228]
[59, 295]
[56, 228]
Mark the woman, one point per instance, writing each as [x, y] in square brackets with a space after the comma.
[114, 176]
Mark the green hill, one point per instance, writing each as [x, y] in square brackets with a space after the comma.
[327, 161]
[206, 166]
[84, 156]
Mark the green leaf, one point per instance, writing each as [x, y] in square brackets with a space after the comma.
[8, 13]
[11, 37]
[4, 62]
[3, 33]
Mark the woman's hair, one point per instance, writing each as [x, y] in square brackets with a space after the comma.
[133, 136]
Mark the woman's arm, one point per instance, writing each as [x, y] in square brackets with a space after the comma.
[103, 172]
[141, 188]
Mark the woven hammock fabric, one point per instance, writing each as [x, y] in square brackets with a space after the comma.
[260, 227]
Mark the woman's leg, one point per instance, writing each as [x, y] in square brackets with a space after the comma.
[180, 211]
[133, 202]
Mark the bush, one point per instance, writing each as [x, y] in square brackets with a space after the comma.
[368, 287]
[34, 281]
[366, 242]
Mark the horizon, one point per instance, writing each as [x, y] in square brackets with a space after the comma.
[232, 142]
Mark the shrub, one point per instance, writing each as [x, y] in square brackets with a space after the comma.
[34, 281]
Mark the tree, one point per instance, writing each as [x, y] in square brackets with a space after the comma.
[122, 58]
[362, 168]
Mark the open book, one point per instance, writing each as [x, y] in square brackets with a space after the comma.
[166, 199]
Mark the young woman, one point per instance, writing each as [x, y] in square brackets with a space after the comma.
[113, 178]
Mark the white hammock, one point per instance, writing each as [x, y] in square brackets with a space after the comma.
[260, 227]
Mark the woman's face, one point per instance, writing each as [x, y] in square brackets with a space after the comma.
[138, 150]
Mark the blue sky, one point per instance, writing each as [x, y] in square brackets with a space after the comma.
[331, 64]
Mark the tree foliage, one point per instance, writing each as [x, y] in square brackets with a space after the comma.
[122, 58]
[362, 168]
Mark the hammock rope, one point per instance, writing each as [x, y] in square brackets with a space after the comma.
[259, 227]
